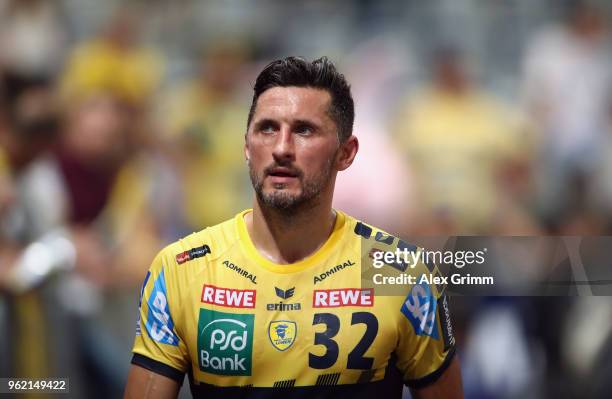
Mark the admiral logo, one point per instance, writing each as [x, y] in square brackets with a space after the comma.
[193, 253]
[284, 294]
[343, 297]
[337, 268]
[240, 271]
[228, 297]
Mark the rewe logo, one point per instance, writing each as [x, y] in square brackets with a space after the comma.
[284, 294]
[228, 297]
[225, 342]
[343, 297]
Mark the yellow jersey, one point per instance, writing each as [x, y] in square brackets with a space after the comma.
[242, 326]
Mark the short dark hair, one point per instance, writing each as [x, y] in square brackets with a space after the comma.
[319, 74]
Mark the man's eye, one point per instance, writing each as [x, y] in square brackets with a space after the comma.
[304, 129]
[267, 129]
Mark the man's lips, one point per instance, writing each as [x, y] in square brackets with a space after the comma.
[282, 174]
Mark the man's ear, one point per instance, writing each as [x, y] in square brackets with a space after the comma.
[247, 153]
[346, 153]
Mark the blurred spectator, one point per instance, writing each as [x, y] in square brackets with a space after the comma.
[93, 149]
[87, 204]
[121, 200]
[458, 140]
[586, 333]
[206, 122]
[499, 362]
[33, 38]
[114, 62]
[32, 242]
[567, 79]
[30, 130]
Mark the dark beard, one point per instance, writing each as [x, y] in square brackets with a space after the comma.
[291, 204]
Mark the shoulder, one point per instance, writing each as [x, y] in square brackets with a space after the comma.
[204, 245]
[374, 239]
[387, 257]
[371, 234]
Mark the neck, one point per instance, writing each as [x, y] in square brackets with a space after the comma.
[288, 238]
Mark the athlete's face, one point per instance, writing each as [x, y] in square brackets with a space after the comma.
[292, 147]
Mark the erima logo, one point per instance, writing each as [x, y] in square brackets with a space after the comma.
[284, 294]
[283, 306]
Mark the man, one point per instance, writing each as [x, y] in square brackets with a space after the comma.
[269, 304]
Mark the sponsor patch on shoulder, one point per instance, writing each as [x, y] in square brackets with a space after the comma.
[159, 323]
[419, 307]
[193, 253]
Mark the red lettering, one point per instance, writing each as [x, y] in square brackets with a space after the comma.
[343, 297]
[207, 294]
[249, 299]
[350, 296]
[333, 298]
[366, 298]
[228, 297]
[320, 300]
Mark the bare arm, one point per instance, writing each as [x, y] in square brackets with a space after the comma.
[145, 384]
[448, 386]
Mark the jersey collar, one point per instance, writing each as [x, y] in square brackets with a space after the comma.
[316, 258]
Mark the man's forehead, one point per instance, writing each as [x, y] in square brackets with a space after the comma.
[293, 102]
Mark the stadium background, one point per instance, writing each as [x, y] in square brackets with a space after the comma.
[121, 128]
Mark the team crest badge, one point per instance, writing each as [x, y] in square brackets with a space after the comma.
[282, 334]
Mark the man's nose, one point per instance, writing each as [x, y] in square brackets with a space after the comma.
[284, 146]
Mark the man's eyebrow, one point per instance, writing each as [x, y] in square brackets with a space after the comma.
[306, 122]
[265, 121]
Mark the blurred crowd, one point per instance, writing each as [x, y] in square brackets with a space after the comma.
[122, 126]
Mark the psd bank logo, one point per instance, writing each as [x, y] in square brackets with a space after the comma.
[282, 334]
[225, 342]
